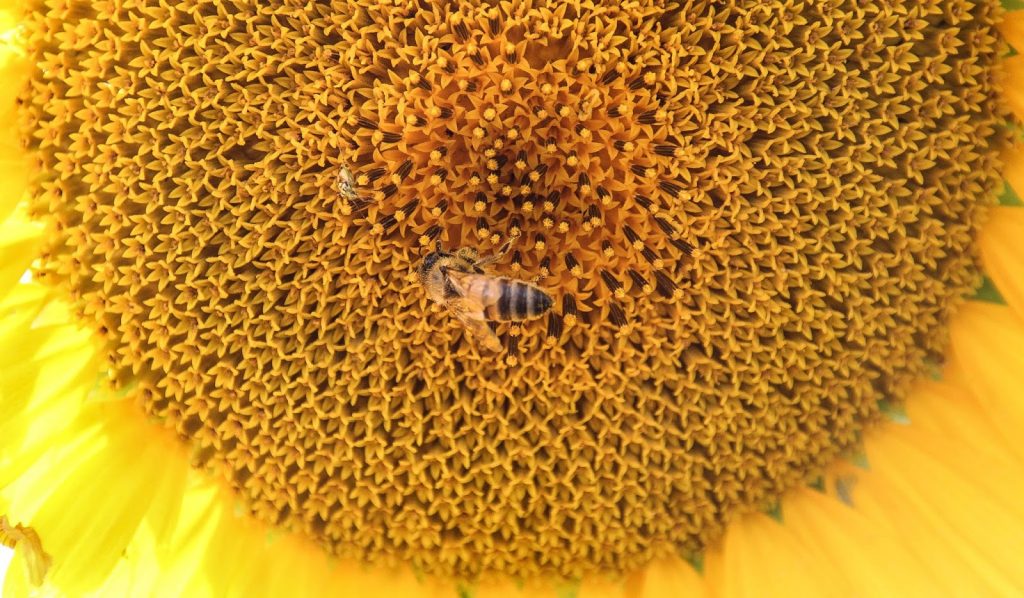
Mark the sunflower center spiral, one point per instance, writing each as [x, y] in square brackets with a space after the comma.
[755, 219]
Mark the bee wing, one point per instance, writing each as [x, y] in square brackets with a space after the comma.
[472, 301]
[475, 324]
[468, 308]
[498, 298]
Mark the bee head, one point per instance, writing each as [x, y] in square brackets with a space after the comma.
[431, 260]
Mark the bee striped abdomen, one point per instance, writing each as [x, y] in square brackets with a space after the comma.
[517, 301]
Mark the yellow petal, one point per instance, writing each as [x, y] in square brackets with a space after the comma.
[871, 559]
[26, 544]
[1013, 90]
[1014, 169]
[596, 586]
[20, 241]
[14, 71]
[760, 557]
[504, 588]
[43, 364]
[1012, 28]
[15, 579]
[1001, 242]
[180, 553]
[87, 519]
[46, 376]
[986, 355]
[13, 181]
[15, 65]
[944, 412]
[937, 508]
[670, 577]
[954, 523]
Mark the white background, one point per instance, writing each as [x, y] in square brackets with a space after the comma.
[5, 559]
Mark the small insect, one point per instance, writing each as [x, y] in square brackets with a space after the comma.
[347, 184]
[457, 281]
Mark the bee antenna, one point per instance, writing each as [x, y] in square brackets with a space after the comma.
[437, 246]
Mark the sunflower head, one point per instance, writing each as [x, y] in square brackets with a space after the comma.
[755, 220]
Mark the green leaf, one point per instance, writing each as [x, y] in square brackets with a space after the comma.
[844, 489]
[988, 292]
[696, 561]
[1009, 197]
[893, 412]
[418, 573]
[569, 589]
[859, 458]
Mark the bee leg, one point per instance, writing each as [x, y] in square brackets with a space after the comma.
[504, 249]
[467, 253]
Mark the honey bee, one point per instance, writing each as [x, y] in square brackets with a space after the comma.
[457, 281]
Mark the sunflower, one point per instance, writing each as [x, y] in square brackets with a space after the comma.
[783, 351]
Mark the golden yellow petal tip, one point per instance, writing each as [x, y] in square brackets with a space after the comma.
[25, 540]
